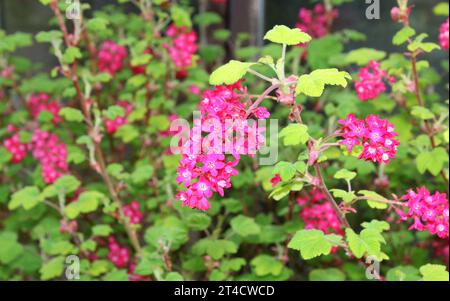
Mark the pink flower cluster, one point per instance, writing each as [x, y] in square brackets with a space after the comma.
[17, 149]
[51, 154]
[46, 148]
[443, 35]
[315, 22]
[429, 211]
[182, 48]
[119, 256]
[41, 102]
[204, 168]
[133, 212]
[111, 57]
[377, 137]
[317, 214]
[113, 125]
[371, 84]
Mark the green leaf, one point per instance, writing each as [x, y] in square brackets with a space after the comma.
[71, 114]
[97, 24]
[264, 265]
[294, 134]
[346, 196]
[115, 111]
[403, 273]
[376, 225]
[286, 170]
[434, 272]
[87, 202]
[368, 242]
[281, 34]
[71, 54]
[229, 73]
[142, 174]
[432, 161]
[170, 230]
[245, 226]
[198, 221]
[313, 243]
[180, 16]
[127, 133]
[363, 56]
[403, 35]
[101, 230]
[422, 113]
[27, 197]
[10, 249]
[67, 184]
[345, 174]
[331, 274]
[313, 84]
[374, 200]
[53, 268]
[48, 36]
[207, 19]
[441, 9]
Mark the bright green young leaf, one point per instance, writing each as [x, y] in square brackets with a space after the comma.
[313, 243]
[281, 34]
[313, 84]
[403, 35]
[345, 174]
[294, 134]
[229, 73]
[71, 114]
[434, 272]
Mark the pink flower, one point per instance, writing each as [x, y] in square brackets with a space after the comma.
[318, 214]
[204, 168]
[275, 180]
[376, 136]
[41, 102]
[133, 212]
[118, 255]
[111, 57]
[182, 49]
[315, 22]
[443, 35]
[370, 84]
[429, 211]
[17, 149]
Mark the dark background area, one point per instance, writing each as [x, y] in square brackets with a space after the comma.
[255, 16]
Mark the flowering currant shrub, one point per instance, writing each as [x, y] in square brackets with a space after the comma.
[161, 147]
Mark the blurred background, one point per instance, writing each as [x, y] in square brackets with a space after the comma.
[251, 16]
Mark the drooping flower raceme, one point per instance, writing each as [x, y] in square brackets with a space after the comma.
[205, 168]
[111, 57]
[51, 154]
[17, 149]
[443, 35]
[315, 22]
[118, 255]
[46, 148]
[133, 212]
[429, 211]
[375, 135]
[182, 48]
[371, 81]
[41, 102]
[318, 214]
